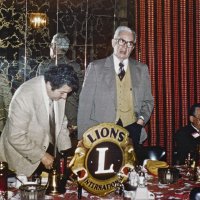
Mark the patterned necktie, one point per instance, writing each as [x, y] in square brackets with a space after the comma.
[121, 71]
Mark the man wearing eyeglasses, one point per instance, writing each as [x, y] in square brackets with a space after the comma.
[117, 89]
[187, 138]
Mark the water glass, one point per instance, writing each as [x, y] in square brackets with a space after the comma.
[32, 192]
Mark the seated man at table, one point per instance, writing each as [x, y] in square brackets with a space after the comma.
[36, 123]
[187, 138]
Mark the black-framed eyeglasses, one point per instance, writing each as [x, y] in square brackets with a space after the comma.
[122, 42]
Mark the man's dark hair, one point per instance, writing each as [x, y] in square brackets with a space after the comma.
[192, 111]
[62, 74]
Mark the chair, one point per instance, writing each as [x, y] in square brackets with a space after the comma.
[152, 153]
[195, 193]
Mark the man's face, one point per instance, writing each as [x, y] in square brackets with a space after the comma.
[196, 119]
[122, 51]
[52, 55]
[54, 50]
[58, 94]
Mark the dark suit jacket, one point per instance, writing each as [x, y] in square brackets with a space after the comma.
[98, 100]
[185, 143]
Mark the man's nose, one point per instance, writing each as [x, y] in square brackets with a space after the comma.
[125, 47]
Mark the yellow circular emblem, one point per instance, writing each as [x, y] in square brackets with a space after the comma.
[104, 155]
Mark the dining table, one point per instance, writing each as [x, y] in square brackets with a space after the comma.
[177, 190]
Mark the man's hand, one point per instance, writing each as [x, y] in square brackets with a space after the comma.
[47, 160]
[80, 143]
[72, 129]
[140, 121]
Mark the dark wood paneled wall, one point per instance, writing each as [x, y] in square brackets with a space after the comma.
[89, 25]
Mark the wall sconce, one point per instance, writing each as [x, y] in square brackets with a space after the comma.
[38, 20]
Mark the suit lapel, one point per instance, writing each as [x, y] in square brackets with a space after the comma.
[134, 79]
[109, 72]
[133, 72]
[109, 77]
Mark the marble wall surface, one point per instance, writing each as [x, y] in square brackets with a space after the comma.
[89, 25]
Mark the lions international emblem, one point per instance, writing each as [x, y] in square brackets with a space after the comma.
[105, 153]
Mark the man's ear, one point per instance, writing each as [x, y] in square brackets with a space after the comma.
[113, 43]
[48, 85]
[191, 118]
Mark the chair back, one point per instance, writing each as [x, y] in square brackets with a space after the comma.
[195, 193]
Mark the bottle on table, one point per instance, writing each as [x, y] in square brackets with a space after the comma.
[3, 180]
[62, 179]
[195, 166]
[168, 177]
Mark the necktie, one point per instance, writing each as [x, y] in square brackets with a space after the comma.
[121, 71]
[52, 121]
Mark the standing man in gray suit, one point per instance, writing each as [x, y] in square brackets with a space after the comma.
[117, 89]
[28, 142]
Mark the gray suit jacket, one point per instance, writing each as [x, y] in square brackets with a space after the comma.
[97, 102]
[25, 137]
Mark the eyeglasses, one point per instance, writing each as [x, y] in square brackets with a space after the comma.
[122, 42]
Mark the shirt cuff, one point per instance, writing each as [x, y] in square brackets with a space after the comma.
[141, 117]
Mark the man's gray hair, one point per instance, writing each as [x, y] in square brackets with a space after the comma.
[124, 29]
[61, 40]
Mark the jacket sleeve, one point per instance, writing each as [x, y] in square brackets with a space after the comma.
[147, 101]
[25, 139]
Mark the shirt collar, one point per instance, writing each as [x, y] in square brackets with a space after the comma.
[116, 64]
[195, 128]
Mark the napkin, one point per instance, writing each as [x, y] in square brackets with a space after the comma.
[44, 178]
[153, 165]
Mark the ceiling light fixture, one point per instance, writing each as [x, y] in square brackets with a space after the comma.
[38, 20]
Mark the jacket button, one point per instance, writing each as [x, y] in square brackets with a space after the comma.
[44, 147]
